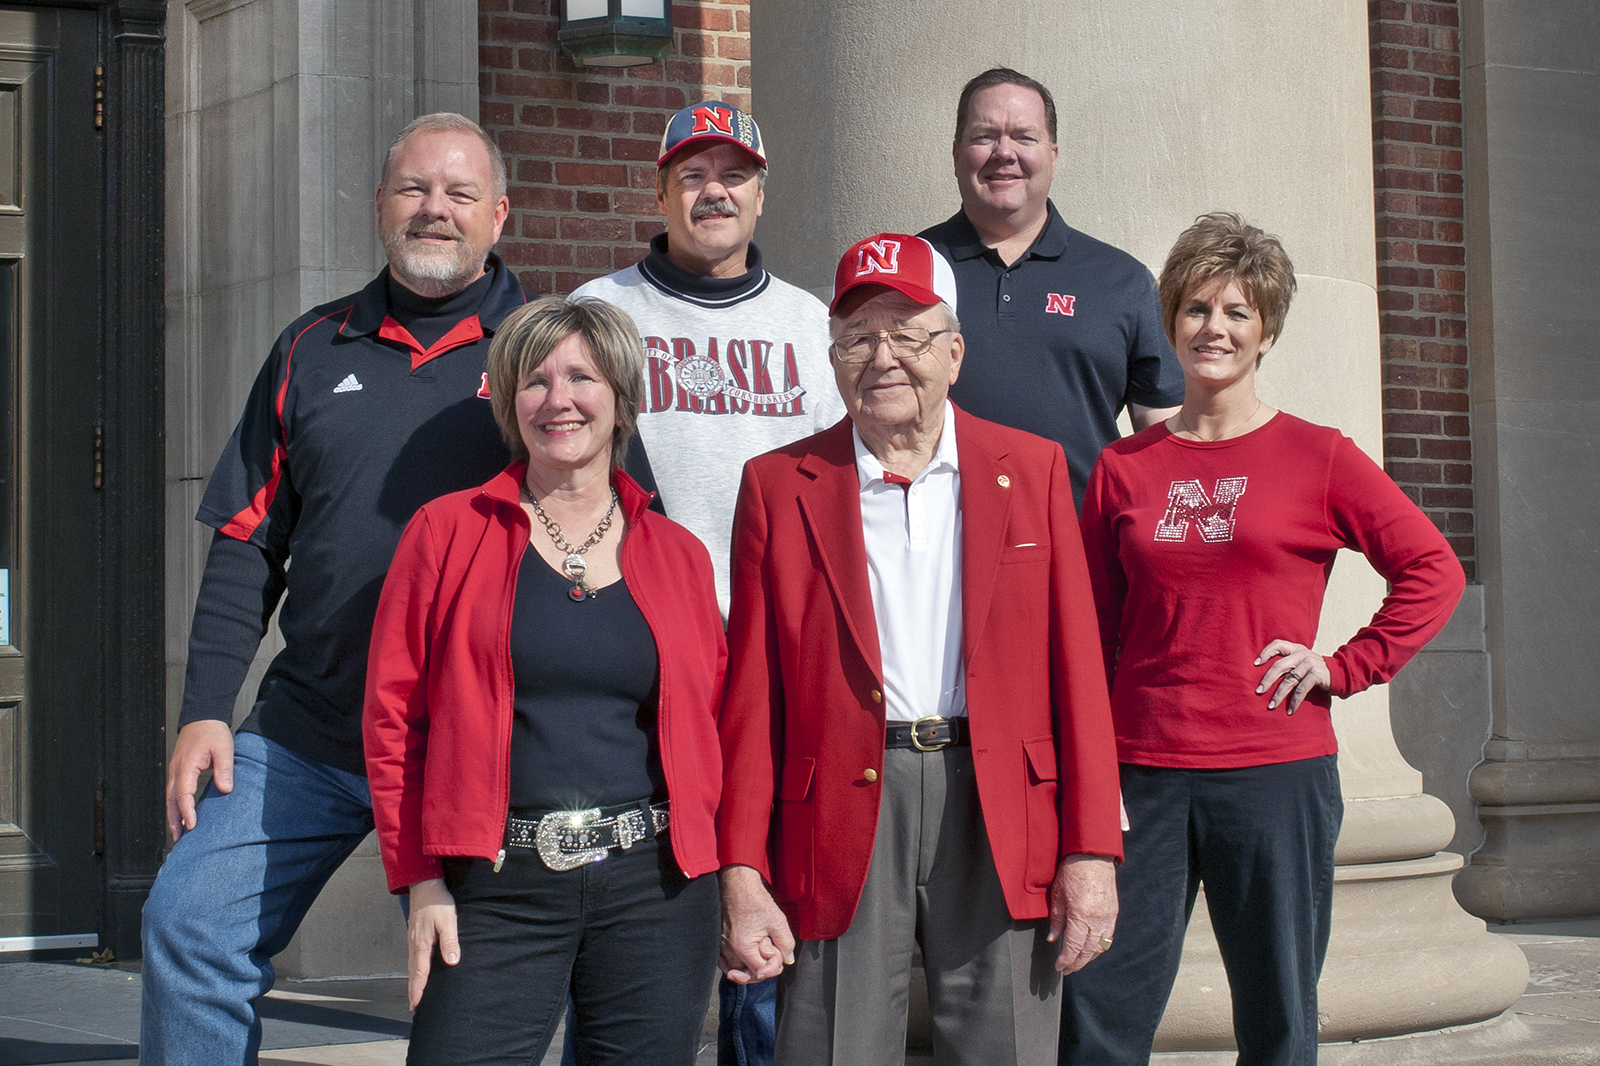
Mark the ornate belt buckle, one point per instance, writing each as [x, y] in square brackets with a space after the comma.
[932, 722]
[566, 839]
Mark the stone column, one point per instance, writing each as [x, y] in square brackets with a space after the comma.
[1532, 110]
[1166, 112]
[278, 114]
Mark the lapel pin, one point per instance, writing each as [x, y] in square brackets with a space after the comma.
[1003, 481]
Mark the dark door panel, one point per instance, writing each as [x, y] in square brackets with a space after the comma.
[52, 194]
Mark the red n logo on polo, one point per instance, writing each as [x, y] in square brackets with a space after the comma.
[1187, 502]
[878, 257]
[705, 118]
[1059, 303]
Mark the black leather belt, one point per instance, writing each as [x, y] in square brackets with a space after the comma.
[928, 734]
[567, 840]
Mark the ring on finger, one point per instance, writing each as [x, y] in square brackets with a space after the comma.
[1105, 942]
[1293, 674]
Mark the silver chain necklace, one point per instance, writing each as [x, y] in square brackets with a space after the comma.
[574, 565]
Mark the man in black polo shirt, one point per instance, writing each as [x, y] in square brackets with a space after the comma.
[1062, 330]
[367, 407]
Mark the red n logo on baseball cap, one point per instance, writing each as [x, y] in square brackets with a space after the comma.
[708, 118]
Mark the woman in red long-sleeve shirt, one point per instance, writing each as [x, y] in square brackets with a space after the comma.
[1210, 539]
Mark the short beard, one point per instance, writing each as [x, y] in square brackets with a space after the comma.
[432, 272]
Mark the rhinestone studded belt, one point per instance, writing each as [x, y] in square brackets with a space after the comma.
[567, 840]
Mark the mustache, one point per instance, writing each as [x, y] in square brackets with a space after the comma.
[714, 209]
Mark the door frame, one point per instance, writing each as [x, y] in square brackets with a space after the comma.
[120, 783]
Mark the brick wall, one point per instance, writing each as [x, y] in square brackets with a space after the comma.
[1422, 280]
[580, 142]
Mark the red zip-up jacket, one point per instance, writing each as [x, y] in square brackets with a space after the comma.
[437, 722]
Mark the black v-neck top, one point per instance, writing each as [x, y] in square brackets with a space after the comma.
[583, 730]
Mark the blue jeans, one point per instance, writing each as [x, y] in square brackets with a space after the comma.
[231, 895]
[747, 1025]
[1261, 840]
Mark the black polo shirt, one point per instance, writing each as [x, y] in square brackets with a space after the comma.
[1060, 341]
[352, 424]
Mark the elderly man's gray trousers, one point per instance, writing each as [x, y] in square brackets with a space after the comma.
[992, 983]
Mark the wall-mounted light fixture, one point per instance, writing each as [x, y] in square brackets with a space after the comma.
[615, 33]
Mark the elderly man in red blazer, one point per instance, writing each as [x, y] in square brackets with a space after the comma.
[917, 739]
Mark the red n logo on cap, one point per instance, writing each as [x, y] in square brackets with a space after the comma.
[705, 118]
[878, 257]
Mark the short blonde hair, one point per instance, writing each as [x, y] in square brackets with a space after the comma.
[450, 122]
[1223, 245]
[531, 332]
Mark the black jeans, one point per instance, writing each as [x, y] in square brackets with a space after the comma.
[1261, 840]
[633, 939]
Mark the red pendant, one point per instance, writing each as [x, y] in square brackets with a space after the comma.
[575, 593]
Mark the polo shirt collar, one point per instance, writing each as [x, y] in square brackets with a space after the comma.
[946, 457]
[371, 304]
[1050, 244]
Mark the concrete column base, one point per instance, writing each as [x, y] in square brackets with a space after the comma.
[355, 929]
[1404, 957]
[1541, 851]
[1505, 1040]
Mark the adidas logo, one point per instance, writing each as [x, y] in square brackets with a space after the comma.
[349, 384]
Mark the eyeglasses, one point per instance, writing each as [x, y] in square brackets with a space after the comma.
[908, 342]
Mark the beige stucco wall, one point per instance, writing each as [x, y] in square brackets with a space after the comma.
[1147, 143]
[1166, 111]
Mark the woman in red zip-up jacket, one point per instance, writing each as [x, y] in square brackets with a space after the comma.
[541, 726]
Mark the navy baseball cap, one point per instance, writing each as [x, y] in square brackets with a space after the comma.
[707, 122]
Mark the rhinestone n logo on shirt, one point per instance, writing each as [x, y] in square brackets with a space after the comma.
[1187, 502]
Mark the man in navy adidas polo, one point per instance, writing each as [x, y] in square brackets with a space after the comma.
[366, 408]
[1062, 331]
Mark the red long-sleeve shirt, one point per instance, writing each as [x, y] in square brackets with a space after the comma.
[1201, 554]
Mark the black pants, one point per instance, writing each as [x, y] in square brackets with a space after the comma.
[1261, 840]
[633, 939]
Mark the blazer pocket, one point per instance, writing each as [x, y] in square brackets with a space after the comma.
[1044, 826]
[794, 820]
[1025, 553]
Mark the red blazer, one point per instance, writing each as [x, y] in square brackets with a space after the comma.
[439, 685]
[802, 718]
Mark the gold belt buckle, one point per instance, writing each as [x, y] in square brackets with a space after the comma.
[933, 721]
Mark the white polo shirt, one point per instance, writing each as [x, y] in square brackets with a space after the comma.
[913, 541]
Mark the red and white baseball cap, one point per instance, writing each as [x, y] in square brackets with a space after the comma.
[897, 261]
[707, 122]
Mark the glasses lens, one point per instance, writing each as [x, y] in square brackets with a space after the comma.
[860, 347]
